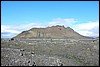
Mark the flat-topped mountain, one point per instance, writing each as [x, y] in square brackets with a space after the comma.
[50, 32]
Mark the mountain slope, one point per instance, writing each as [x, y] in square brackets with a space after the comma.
[50, 32]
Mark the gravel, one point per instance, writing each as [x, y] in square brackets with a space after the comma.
[64, 53]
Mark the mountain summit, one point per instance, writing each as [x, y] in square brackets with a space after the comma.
[50, 32]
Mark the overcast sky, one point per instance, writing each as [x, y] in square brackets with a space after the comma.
[17, 16]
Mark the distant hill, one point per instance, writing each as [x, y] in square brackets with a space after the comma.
[50, 32]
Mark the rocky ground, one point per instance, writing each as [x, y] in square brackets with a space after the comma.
[64, 53]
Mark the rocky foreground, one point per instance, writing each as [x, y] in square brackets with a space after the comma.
[50, 53]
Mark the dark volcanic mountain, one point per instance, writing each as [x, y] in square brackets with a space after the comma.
[50, 32]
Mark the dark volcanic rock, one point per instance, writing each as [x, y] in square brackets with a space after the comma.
[69, 53]
[12, 57]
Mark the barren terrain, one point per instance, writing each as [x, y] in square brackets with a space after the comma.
[50, 52]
